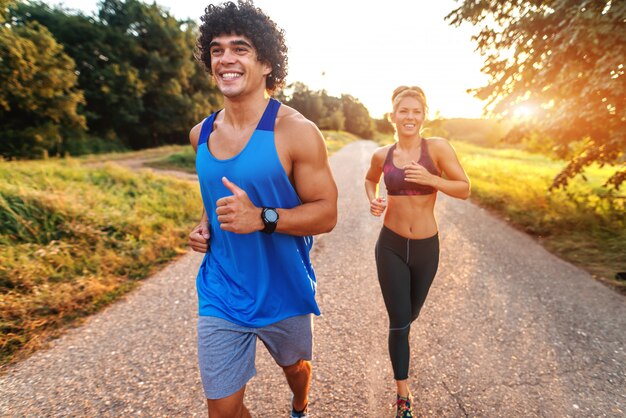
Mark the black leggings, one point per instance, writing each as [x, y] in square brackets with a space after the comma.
[406, 269]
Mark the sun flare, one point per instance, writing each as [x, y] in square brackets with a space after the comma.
[524, 111]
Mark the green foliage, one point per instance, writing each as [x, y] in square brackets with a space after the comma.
[111, 86]
[72, 238]
[328, 112]
[383, 126]
[565, 59]
[358, 119]
[161, 49]
[4, 10]
[38, 99]
[334, 119]
[307, 102]
[135, 66]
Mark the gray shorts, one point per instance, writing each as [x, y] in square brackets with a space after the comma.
[226, 351]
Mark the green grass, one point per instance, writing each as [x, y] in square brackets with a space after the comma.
[581, 224]
[74, 238]
[149, 154]
[335, 140]
[183, 160]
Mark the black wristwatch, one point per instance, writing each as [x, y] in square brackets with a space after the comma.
[269, 216]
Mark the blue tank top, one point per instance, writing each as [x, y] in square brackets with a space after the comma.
[252, 279]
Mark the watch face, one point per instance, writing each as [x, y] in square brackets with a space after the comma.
[271, 215]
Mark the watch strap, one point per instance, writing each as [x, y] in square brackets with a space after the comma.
[269, 226]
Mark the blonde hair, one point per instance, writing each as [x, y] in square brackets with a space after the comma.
[408, 91]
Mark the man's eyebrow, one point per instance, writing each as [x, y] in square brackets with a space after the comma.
[241, 42]
[235, 42]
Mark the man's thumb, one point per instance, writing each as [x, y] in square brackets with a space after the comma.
[230, 185]
[204, 231]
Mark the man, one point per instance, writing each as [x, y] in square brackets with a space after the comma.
[267, 187]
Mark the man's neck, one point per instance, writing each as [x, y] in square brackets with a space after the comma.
[241, 112]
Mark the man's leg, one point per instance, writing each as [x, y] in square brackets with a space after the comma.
[226, 353]
[290, 342]
[229, 407]
[299, 379]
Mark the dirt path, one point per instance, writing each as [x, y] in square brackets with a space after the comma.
[140, 163]
[508, 331]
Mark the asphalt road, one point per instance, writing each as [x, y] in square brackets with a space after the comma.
[509, 330]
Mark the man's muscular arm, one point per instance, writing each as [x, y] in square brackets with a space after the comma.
[305, 159]
[312, 178]
[199, 236]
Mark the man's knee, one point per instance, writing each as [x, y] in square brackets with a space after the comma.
[228, 407]
[221, 410]
[300, 367]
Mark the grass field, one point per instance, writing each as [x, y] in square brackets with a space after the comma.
[145, 154]
[74, 238]
[581, 224]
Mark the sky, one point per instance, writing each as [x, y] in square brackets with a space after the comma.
[349, 47]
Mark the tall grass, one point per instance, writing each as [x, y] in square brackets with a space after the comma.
[74, 238]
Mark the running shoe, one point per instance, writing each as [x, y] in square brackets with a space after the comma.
[403, 406]
[296, 414]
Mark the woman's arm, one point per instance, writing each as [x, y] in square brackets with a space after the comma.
[372, 179]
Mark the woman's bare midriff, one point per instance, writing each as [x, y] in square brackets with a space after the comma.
[412, 217]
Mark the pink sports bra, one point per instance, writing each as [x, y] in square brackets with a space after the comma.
[394, 176]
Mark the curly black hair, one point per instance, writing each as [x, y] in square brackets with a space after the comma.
[245, 19]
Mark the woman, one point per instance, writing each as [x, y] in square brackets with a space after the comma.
[407, 251]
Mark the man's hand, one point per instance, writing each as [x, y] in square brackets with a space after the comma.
[236, 213]
[199, 238]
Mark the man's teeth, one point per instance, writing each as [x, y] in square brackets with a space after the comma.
[230, 75]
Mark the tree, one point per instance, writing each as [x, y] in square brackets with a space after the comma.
[135, 65]
[177, 92]
[565, 58]
[38, 97]
[383, 126]
[333, 119]
[358, 119]
[306, 101]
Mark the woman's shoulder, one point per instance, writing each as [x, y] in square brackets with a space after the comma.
[379, 155]
[440, 148]
[381, 152]
[437, 141]
[438, 144]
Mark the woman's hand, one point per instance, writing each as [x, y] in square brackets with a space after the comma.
[417, 173]
[378, 206]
